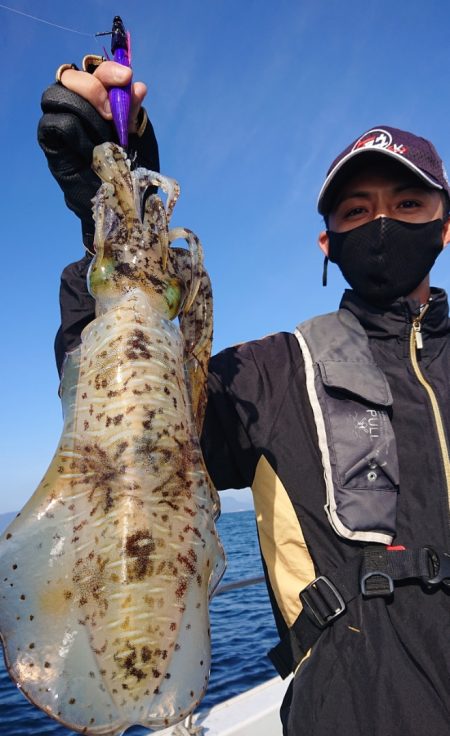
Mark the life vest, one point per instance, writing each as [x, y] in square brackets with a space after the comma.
[350, 400]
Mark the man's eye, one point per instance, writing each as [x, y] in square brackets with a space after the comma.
[354, 212]
[408, 204]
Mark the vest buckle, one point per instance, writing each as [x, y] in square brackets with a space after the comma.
[439, 566]
[322, 601]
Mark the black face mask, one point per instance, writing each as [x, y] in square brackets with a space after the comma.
[386, 258]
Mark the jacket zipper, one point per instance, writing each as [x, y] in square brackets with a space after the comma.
[416, 343]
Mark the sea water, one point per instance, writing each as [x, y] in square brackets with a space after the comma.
[242, 632]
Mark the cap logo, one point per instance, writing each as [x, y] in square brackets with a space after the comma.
[379, 138]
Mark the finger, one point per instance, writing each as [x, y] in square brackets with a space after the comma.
[90, 88]
[112, 74]
[138, 92]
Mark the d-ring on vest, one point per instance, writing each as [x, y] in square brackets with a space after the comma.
[349, 396]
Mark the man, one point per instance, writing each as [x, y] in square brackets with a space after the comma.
[341, 430]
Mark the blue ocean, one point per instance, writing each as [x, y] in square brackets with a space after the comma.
[242, 632]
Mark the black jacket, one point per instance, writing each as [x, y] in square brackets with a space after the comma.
[384, 666]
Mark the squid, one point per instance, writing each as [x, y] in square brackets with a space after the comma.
[106, 574]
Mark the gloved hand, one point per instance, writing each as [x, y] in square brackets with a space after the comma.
[71, 127]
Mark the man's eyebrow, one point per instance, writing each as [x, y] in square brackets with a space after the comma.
[416, 186]
[350, 195]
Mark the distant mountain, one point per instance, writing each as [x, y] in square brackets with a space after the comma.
[6, 519]
[230, 505]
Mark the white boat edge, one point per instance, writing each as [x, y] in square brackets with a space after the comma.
[255, 712]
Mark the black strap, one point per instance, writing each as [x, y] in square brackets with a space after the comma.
[307, 628]
[371, 572]
[383, 566]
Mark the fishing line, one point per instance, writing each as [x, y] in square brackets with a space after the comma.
[47, 22]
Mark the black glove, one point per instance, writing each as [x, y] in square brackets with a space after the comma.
[68, 132]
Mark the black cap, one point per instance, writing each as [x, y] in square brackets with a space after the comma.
[414, 152]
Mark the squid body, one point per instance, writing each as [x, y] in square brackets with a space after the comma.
[106, 574]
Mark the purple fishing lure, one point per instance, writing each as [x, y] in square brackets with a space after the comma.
[120, 97]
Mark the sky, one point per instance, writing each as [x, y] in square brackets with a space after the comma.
[251, 101]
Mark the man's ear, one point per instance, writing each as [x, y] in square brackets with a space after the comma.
[324, 243]
[445, 232]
